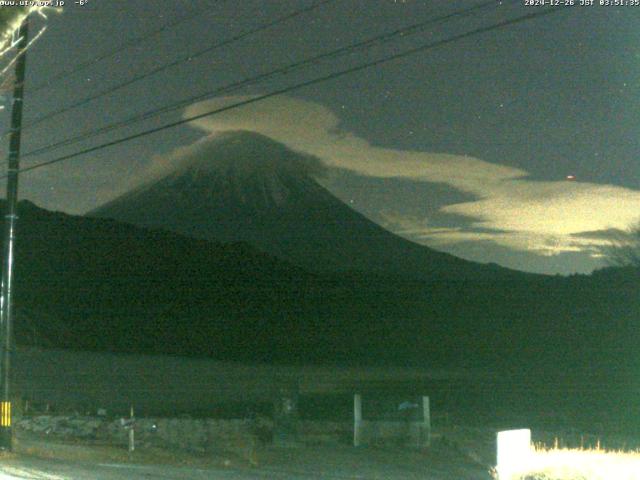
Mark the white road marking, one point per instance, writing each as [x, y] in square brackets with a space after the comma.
[11, 473]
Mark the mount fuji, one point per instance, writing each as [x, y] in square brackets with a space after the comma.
[247, 187]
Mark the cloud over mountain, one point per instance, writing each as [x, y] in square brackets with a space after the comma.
[508, 208]
[246, 187]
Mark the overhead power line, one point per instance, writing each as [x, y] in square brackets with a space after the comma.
[49, 82]
[232, 87]
[298, 86]
[179, 61]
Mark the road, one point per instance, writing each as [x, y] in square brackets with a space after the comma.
[34, 468]
[40, 469]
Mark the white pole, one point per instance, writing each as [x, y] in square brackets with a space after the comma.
[132, 435]
[357, 419]
[426, 413]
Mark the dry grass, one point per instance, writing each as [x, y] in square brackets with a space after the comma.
[579, 464]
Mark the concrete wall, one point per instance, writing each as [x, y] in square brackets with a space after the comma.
[392, 432]
[202, 435]
[196, 435]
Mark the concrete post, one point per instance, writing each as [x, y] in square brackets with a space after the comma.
[357, 419]
[426, 419]
[132, 434]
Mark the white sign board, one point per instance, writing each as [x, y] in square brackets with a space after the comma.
[514, 452]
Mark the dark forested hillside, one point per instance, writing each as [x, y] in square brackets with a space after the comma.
[89, 283]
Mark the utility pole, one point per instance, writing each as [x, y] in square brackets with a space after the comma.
[10, 217]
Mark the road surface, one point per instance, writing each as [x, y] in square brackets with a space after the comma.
[39, 469]
[34, 468]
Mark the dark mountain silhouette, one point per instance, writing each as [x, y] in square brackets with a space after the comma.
[247, 187]
[103, 285]
[98, 284]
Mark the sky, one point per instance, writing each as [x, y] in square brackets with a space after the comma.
[515, 146]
